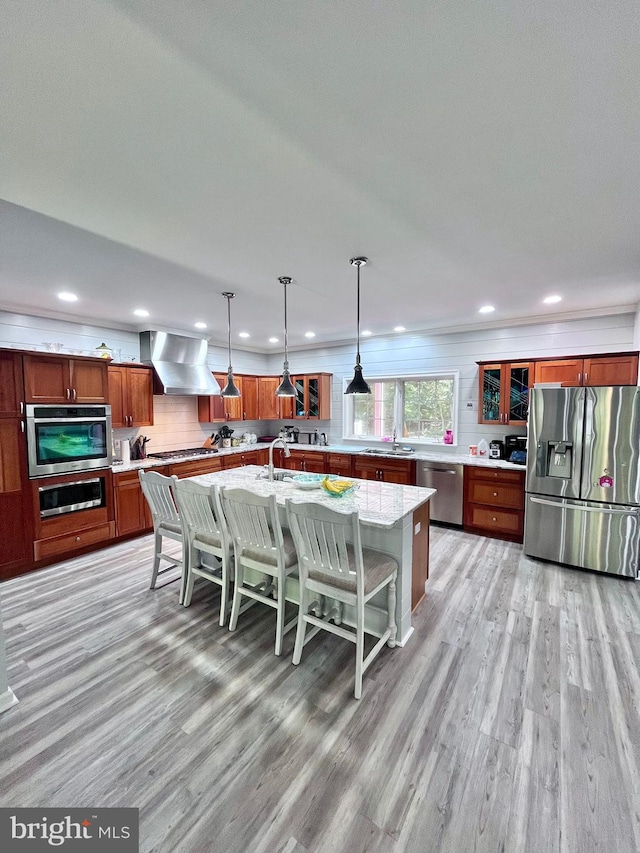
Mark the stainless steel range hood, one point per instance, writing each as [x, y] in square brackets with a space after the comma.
[180, 363]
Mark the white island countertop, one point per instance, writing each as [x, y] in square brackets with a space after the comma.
[379, 504]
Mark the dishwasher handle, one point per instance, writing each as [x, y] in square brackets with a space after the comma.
[440, 470]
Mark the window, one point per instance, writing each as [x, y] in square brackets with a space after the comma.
[420, 408]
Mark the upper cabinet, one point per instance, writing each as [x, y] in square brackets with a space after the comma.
[593, 370]
[131, 396]
[11, 393]
[271, 407]
[56, 379]
[313, 396]
[504, 393]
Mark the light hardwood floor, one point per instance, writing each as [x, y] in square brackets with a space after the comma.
[510, 722]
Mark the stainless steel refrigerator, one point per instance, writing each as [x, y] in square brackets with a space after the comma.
[583, 478]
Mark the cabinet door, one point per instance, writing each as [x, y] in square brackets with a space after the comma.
[14, 505]
[516, 399]
[249, 398]
[611, 370]
[300, 400]
[11, 390]
[315, 463]
[46, 380]
[231, 406]
[117, 396]
[491, 380]
[268, 403]
[339, 463]
[89, 380]
[130, 506]
[140, 395]
[567, 371]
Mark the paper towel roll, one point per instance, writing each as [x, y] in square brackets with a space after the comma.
[124, 451]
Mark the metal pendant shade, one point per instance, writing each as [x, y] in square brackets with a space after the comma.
[230, 389]
[285, 388]
[358, 384]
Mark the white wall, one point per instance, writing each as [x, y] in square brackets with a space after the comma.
[459, 351]
[176, 423]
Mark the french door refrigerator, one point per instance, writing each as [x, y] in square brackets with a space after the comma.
[583, 478]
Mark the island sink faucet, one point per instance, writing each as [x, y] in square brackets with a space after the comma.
[287, 453]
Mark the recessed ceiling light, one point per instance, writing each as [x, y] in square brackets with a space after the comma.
[273, 340]
[399, 329]
[244, 335]
[486, 309]
[141, 312]
[551, 300]
[309, 334]
[67, 297]
[200, 325]
[366, 333]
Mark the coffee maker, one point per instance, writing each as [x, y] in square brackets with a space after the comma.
[290, 434]
[515, 448]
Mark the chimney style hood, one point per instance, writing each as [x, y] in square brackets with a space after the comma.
[180, 364]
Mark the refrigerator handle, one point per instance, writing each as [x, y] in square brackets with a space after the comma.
[601, 510]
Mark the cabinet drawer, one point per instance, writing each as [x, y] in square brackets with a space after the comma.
[490, 520]
[474, 472]
[59, 545]
[339, 463]
[193, 469]
[496, 494]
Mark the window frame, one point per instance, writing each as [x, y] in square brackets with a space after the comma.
[398, 406]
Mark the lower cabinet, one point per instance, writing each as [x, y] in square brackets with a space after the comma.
[246, 457]
[305, 460]
[131, 507]
[15, 542]
[339, 463]
[401, 471]
[195, 467]
[494, 502]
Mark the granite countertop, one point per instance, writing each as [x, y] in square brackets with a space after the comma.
[379, 504]
[419, 455]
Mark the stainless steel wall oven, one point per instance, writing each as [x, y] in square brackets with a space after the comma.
[68, 439]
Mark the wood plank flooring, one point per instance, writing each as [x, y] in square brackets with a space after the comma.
[510, 722]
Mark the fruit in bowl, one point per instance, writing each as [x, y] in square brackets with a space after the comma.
[337, 488]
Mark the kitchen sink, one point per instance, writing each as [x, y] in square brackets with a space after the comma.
[374, 451]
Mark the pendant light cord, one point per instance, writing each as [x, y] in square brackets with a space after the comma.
[285, 281]
[229, 328]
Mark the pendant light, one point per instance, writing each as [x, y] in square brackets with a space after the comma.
[230, 389]
[357, 384]
[285, 388]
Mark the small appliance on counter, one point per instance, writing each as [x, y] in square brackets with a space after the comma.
[496, 449]
[290, 434]
[515, 449]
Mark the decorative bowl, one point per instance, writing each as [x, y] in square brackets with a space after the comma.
[347, 490]
[311, 481]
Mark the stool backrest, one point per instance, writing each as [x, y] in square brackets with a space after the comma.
[253, 521]
[321, 536]
[200, 509]
[160, 494]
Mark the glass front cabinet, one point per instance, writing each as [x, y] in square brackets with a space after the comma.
[504, 393]
[313, 396]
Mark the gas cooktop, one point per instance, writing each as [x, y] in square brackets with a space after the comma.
[190, 451]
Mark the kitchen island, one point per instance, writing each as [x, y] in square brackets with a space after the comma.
[394, 519]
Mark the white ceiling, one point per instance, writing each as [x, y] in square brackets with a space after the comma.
[156, 153]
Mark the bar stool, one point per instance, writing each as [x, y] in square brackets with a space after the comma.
[160, 495]
[259, 545]
[206, 532]
[331, 566]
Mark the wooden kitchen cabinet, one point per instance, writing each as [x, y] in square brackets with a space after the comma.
[310, 461]
[503, 393]
[339, 463]
[244, 408]
[132, 512]
[56, 379]
[313, 396]
[15, 509]
[195, 467]
[494, 502]
[130, 396]
[258, 456]
[619, 369]
[401, 471]
[271, 407]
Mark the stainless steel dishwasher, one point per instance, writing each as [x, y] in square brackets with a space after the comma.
[446, 504]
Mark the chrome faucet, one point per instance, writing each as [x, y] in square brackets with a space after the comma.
[287, 453]
[395, 444]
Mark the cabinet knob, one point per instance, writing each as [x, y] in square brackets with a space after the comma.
[494, 518]
[77, 538]
[495, 494]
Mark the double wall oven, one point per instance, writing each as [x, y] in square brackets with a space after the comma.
[64, 440]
